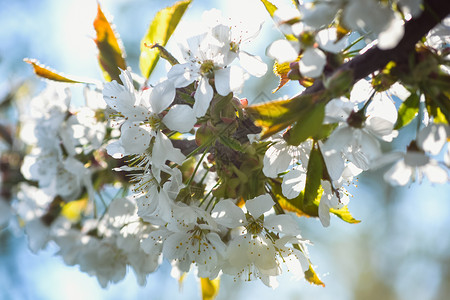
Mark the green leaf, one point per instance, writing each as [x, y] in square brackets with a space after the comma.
[345, 215]
[271, 8]
[311, 277]
[281, 70]
[160, 30]
[325, 131]
[274, 116]
[210, 288]
[295, 205]
[313, 176]
[165, 54]
[232, 143]
[307, 126]
[48, 73]
[73, 210]
[407, 111]
[111, 56]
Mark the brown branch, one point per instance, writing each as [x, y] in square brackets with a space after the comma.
[375, 59]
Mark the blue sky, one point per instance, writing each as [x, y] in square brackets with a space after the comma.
[402, 241]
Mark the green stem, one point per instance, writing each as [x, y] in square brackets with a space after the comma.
[197, 166]
[420, 114]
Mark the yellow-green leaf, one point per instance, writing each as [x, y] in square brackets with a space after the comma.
[111, 56]
[281, 70]
[160, 30]
[345, 215]
[210, 288]
[295, 205]
[274, 116]
[313, 176]
[46, 72]
[311, 277]
[270, 7]
[407, 111]
[306, 126]
[74, 209]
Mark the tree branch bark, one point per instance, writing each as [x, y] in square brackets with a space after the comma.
[375, 59]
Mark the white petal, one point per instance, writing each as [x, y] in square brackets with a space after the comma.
[228, 214]
[38, 235]
[127, 80]
[324, 212]
[364, 150]
[180, 118]
[276, 160]
[390, 37]
[380, 127]
[252, 64]
[293, 183]
[327, 39]
[360, 91]
[400, 91]
[320, 13]
[447, 156]
[334, 162]
[259, 205]
[432, 138]
[203, 96]
[383, 107]
[222, 33]
[399, 174]
[285, 224]
[264, 255]
[163, 150]
[435, 173]
[183, 74]
[386, 158]
[312, 62]
[338, 110]
[119, 98]
[162, 96]
[283, 51]
[175, 246]
[230, 79]
[339, 140]
[134, 139]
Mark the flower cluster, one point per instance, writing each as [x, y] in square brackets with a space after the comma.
[200, 179]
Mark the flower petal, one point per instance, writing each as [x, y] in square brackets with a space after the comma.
[203, 96]
[399, 174]
[283, 51]
[252, 64]
[432, 138]
[259, 205]
[285, 224]
[230, 79]
[228, 214]
[180, 118]
[134, 138]
[293, 183]
[183, 74]
[161, 96]
[163, 150]
[435, 173]
[312, 62]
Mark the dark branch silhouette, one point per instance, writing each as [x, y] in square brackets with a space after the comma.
[375, 59]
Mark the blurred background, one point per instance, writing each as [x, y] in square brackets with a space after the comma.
[400, 250]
